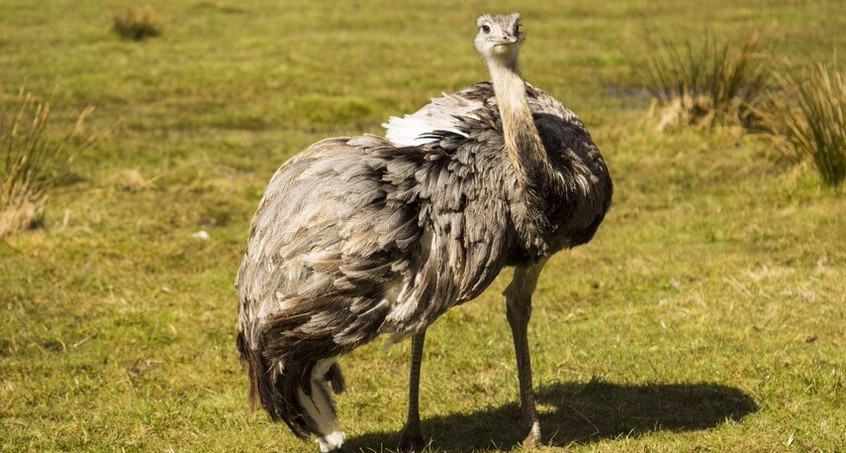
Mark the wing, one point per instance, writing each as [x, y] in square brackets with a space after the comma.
[443, 114]
[468, 126]
[464, 111]
[326, 250]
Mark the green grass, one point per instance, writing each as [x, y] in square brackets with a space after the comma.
[806, 120]
[137, 23]
[708, 82]
[32, 159]
[707, 314]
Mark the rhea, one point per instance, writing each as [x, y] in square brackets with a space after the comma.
[360, 236]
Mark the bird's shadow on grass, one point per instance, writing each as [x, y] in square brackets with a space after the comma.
[579, 413]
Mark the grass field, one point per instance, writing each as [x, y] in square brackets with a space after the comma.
[707, 315]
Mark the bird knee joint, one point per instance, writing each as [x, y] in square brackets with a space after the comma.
[517, 309]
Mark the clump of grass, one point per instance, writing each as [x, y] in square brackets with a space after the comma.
[707, 82]
[131, 180]
[806, 120]
[31, 161]
[138, 23]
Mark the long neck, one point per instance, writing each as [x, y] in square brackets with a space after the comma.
[522, 141]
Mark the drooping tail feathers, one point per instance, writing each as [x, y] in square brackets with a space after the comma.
[297, 392]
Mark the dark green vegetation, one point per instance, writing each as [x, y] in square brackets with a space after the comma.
[707, 314]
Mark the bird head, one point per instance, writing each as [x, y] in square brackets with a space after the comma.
[499, 36]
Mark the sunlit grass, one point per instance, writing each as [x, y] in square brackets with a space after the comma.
[708, 81]
[706, 315]
[806, 118]
[32, 159]
[138, 22]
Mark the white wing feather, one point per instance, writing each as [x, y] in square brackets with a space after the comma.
[442, 114]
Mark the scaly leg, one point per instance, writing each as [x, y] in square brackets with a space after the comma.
[518, 299]
[411, 438]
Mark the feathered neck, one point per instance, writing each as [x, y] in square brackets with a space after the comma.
[522, 141]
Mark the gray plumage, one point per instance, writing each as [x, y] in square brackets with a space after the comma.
[360, 236]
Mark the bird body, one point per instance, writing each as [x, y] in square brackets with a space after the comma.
[359, 236]
[581, 184]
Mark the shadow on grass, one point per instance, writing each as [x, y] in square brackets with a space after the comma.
[580, 413]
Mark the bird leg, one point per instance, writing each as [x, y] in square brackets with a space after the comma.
[411, 438]
[518, 299]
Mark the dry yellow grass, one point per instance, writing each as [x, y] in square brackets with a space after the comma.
[138, 22]
[32, 158]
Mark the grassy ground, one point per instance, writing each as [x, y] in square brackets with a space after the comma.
[707, 314]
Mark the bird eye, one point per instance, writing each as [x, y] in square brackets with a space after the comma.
[516, 30]
[486, 29]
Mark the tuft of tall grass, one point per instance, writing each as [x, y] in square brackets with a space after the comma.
[31, 160]
[707, 82]
[806, 120]
[138, 23]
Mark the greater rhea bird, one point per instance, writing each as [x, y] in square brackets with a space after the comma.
[358, 236]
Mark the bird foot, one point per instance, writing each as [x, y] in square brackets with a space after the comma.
[533, 439]
[411, 440]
